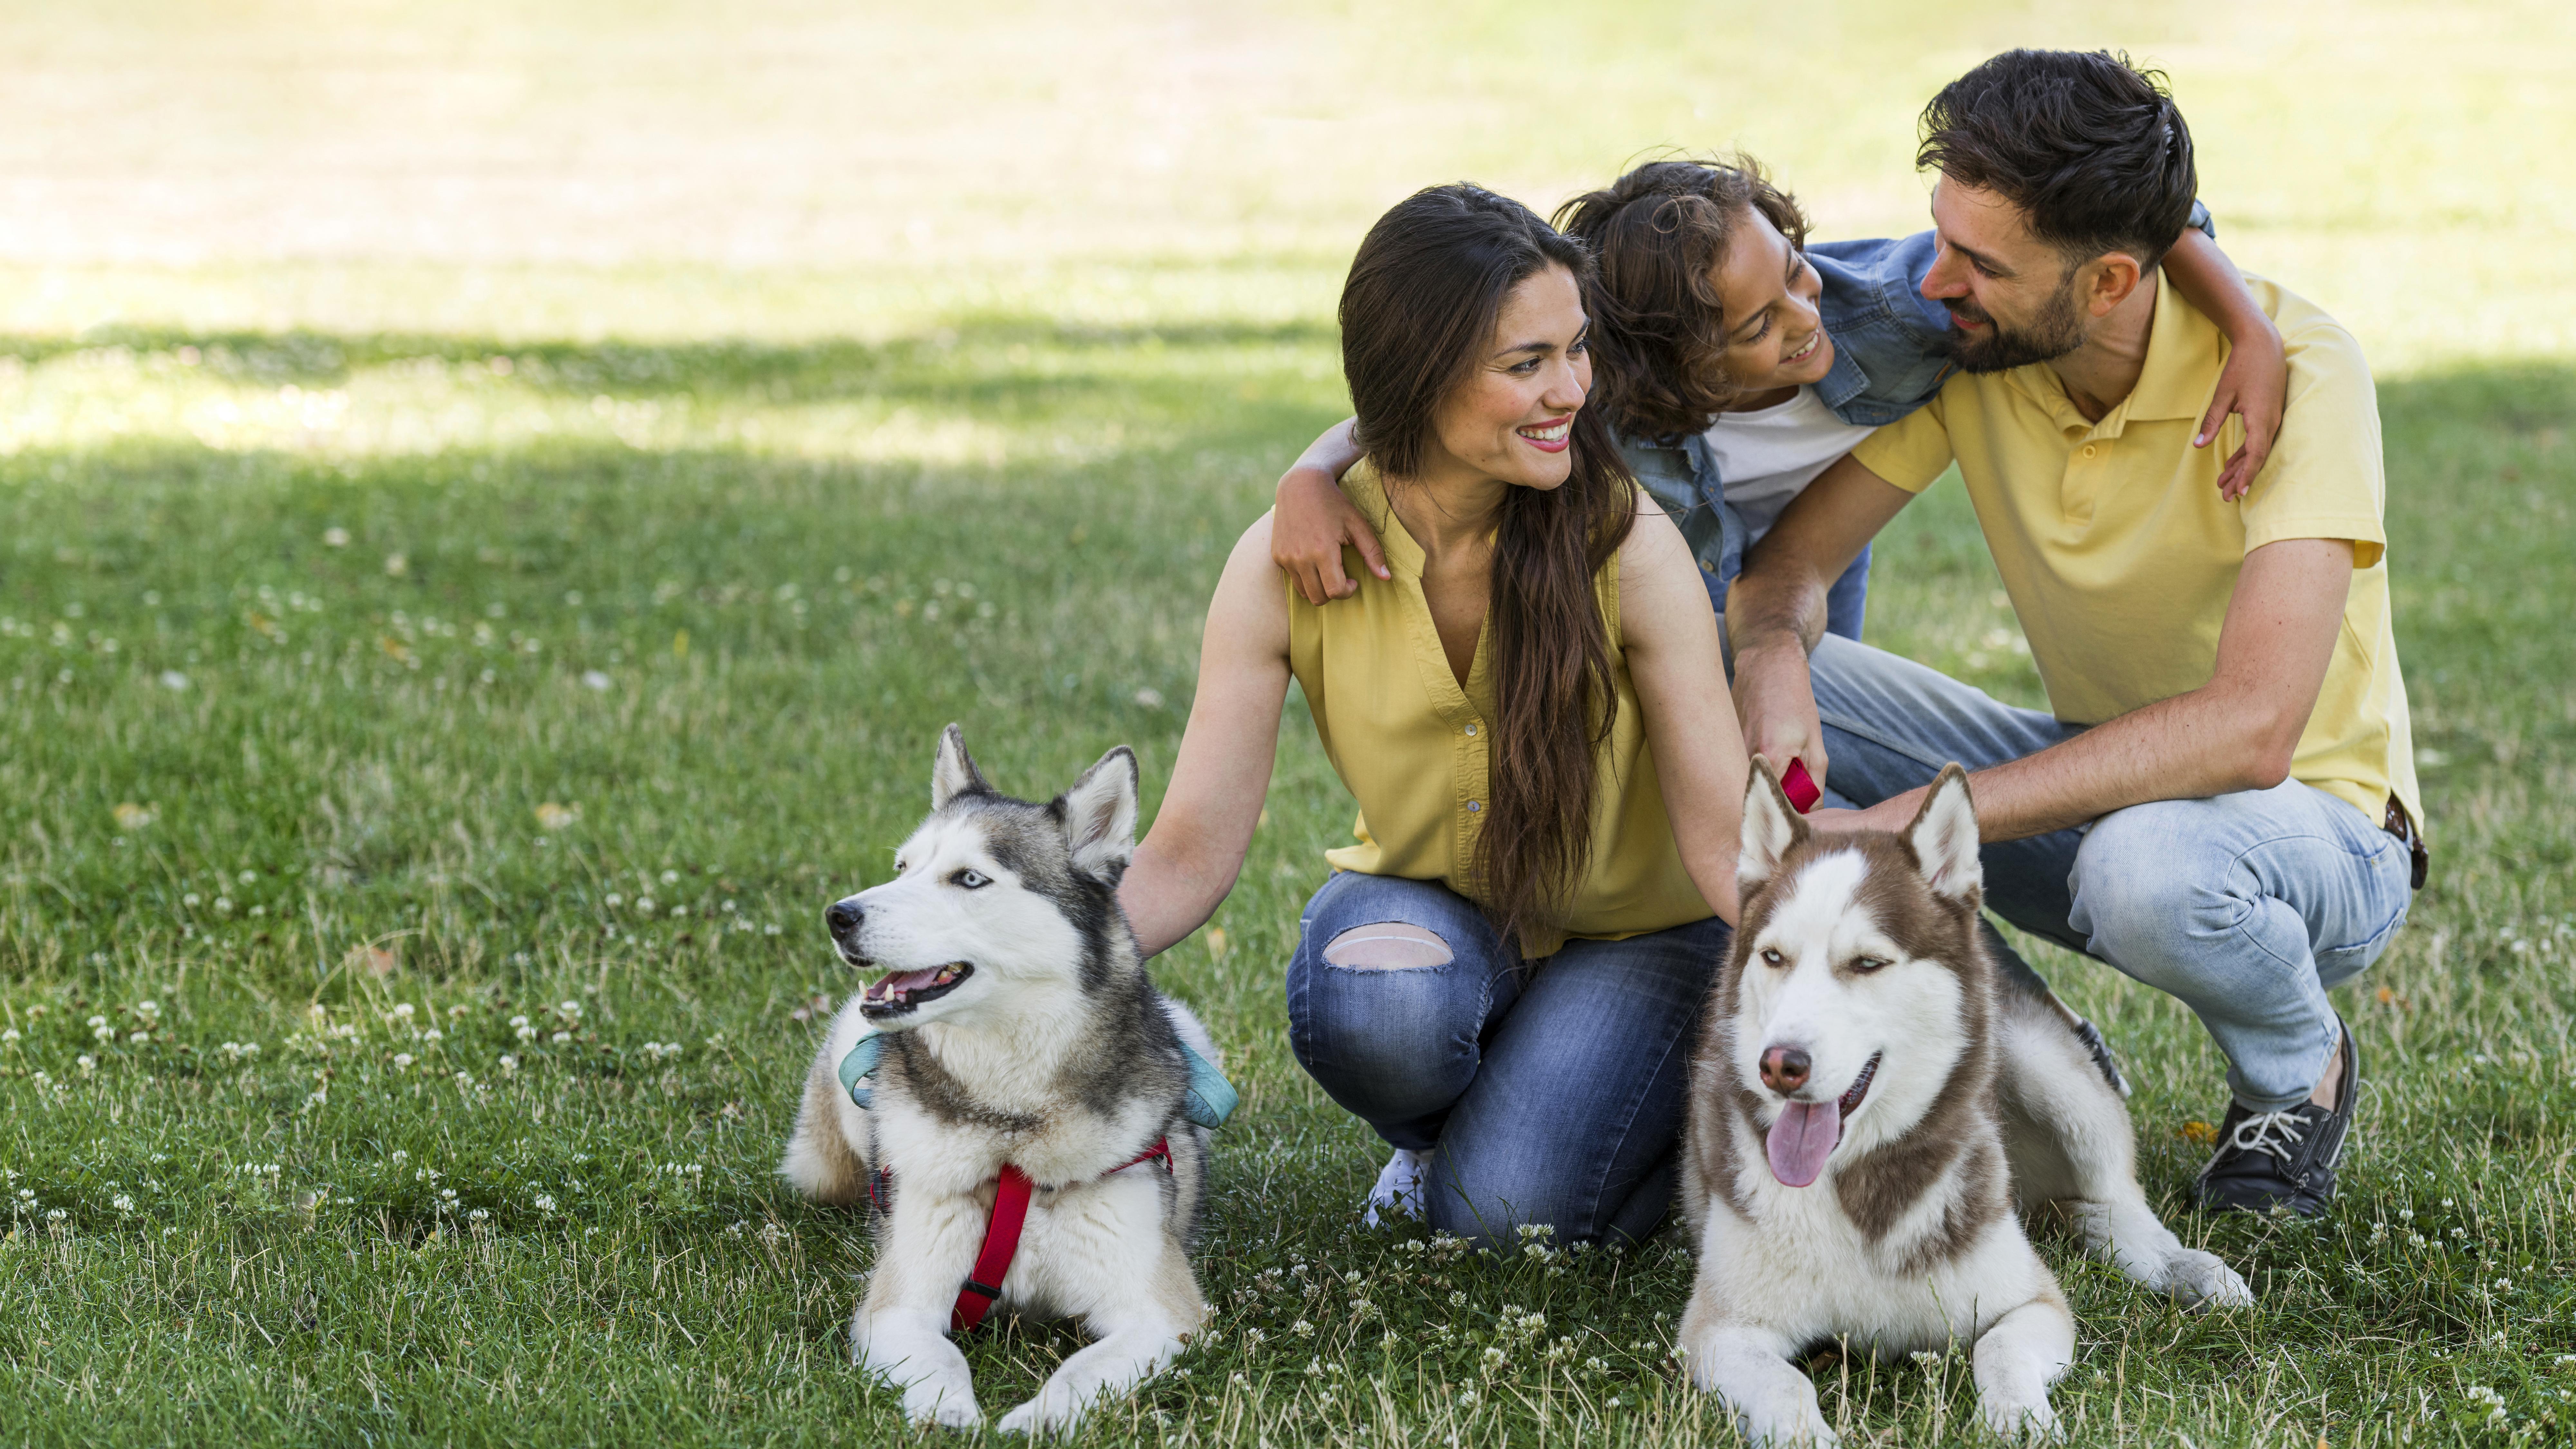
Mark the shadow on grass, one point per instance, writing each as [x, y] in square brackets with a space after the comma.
[775, 371]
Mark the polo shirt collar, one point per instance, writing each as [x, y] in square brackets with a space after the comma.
[2184, 353]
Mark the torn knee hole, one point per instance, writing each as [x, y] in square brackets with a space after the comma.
[1387, 946]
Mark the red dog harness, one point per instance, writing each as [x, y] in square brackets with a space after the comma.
[1002, 1237]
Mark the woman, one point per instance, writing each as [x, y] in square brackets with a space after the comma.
[1502, 976]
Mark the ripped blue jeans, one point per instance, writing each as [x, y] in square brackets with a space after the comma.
[1554, 1089]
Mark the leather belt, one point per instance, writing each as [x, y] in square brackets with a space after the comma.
[2402, 825]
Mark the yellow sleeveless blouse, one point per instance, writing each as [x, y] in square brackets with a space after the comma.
[1412, 746]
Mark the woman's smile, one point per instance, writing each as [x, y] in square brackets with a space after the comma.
[1548, 437]
[1805, 350]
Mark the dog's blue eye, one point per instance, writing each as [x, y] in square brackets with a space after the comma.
[972, 879]
[1869, 963]
[1771, 956]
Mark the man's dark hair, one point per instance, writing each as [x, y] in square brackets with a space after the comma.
[2091, 148]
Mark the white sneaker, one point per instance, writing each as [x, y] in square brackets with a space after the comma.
[1399, 1187]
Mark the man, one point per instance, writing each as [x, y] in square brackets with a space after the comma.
[2221, 802]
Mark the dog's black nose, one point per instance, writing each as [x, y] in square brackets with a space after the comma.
[843, 917]
[1784, 1069]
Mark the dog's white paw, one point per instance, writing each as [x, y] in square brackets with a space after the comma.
[1804, 1426]
[942, 1407]
[2032, 1421]
[2200, 1280]
[1038, 1418]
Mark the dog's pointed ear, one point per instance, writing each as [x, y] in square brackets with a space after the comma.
[1944, 837]
[1771, 826]
[955, 773]
[1100, 815]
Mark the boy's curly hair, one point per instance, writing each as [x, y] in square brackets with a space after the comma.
[1657, 329]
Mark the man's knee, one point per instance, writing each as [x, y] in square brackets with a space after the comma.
[2139, 894]
[1388, 946]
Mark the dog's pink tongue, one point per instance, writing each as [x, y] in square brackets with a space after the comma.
[904, 981]
[1802, 1139]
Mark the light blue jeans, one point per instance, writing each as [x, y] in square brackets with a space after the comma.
[1554, 1089]
[2247, 907]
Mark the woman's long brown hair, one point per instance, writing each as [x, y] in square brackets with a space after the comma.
[1419, 310]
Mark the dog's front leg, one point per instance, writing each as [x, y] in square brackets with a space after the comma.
[909, 1348]
[1139, 1319]
[900, 1331]
[2016, 1359]
[1748, 1367]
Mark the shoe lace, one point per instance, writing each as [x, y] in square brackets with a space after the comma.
[2275, 1133]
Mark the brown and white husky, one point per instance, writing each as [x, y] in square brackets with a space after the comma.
[1868, 1102]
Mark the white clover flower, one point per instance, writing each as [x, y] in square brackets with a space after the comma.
[615, 899]
[55, 1215]
[559, 1038]
[1494, 1356]
[477, 1215]
[138, 1038]
[402, 1061]
[433, 1035]
[571, 1009]
[1302, 1328]
[545, 1202]
[9, 1035]
[403, 1009]
[525, 1031]
[509, 1066]
[103, 1033]
[122, 1202]
[464, 1079]
[401, 1156]
[1240, 1380]
[86, 1063]
[190, 899]
[1457, 1298]
[1466, 1398]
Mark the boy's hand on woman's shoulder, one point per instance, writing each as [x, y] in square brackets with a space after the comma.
[1311, 524]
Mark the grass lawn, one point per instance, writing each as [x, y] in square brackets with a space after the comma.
[440, 691]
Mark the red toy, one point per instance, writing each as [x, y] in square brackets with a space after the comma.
[1800, 786]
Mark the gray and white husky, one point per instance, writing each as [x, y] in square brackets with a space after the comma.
[1014, 1023]
[1868, 1101]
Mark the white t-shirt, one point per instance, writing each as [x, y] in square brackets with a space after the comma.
[1764, 457]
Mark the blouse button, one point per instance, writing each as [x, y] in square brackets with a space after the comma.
[1473, 807]
[1471, 729]
[2090, 450]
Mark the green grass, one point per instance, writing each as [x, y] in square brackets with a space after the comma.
[399, 586]
[615, 581]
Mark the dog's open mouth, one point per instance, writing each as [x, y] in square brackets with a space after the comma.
[1807, 1132]
[897, 992]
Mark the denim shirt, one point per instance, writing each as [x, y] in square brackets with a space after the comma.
[1887, 363]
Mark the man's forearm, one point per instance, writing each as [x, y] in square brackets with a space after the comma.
[1779, 603]
[2188, 747]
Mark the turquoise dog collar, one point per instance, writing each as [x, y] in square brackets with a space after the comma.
[1211, 1097]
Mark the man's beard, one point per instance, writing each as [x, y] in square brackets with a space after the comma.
[2057, 330]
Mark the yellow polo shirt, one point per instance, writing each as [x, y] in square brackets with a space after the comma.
[1415, 746]
[2120, 556]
